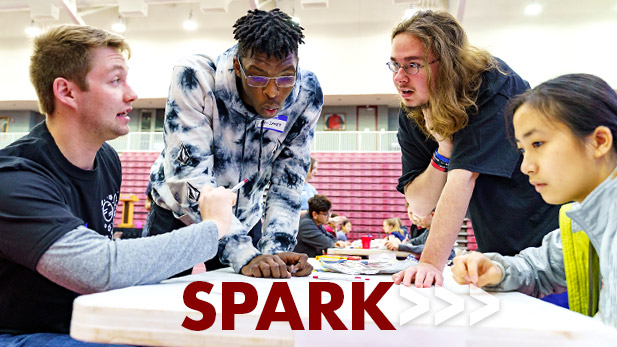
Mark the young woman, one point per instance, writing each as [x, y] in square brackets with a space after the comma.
[566, 130]
[341, 235]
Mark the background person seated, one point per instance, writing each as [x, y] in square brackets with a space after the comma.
[312, 238]
[341, 235]
[392, 227]
[415, 230]
[404, 230]
[334, 224]
[416, 244]
[308, 191]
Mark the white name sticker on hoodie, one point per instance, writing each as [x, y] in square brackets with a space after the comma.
[276, 123]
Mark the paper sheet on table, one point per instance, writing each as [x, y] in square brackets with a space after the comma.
[369, 267]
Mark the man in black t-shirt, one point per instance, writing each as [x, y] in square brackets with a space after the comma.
[59, 188]
[455, 152]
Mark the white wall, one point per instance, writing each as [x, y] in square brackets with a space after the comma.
[538, 51]
[350, 59]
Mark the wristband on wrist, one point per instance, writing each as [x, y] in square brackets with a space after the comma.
[440, 162]
[437, 166]
[441, 157]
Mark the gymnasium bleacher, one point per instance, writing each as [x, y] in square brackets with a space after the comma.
[360, 185]
[135, 177]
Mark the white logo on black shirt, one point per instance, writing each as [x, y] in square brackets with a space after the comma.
[109, 205]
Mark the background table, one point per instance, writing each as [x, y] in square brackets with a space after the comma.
[153, 314]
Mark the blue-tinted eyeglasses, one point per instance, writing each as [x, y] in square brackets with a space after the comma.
[262, 81]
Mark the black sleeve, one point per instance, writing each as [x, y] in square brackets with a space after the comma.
[416, 150]
[483, 146]
[420, 239]
[405, 247]
[33, 215]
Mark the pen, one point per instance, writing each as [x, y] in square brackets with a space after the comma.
[239, 185]
[332, 278]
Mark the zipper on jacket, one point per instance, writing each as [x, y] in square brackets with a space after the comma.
[261, 143]
[590, 273]
[240, 173]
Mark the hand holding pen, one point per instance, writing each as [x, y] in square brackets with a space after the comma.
[239, 185]
[215, 204]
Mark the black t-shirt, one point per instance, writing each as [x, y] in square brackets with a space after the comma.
[506, 212]
[42, 197]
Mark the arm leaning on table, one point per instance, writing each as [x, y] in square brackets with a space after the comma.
[425, 187]
[445, 227]
[282, 205]
[188, 160]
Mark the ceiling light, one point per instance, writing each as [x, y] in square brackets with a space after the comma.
[190, 24]
[119, 26]
[409, 13]
[533, 9]
[32, 30]
[295, 20]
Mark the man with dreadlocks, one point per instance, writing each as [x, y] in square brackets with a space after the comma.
[249, 114]
[456, 155]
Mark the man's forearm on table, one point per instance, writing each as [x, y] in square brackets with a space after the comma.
[449, 216]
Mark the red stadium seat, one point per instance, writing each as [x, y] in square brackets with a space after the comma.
[135, 177]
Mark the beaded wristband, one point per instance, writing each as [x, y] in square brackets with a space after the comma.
[441, 157]
[440, 162]
[436, 166]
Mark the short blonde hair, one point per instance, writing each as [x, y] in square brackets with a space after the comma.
[65, 51]
[395, 223]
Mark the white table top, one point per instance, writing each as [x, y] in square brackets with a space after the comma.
[153, 314]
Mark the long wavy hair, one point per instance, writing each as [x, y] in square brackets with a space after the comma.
[454, 93]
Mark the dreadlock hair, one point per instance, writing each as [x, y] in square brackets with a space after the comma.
[272, 33]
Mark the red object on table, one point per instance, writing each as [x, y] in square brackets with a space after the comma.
[366, 242]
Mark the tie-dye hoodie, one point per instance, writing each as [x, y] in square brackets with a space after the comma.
[212, 138]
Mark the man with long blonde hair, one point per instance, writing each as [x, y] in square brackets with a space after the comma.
[456, 155]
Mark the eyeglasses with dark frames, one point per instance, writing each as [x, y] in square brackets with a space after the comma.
[262, 81]
[410, 69]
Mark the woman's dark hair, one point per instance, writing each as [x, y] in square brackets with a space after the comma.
[582, 102]
[272, 33]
